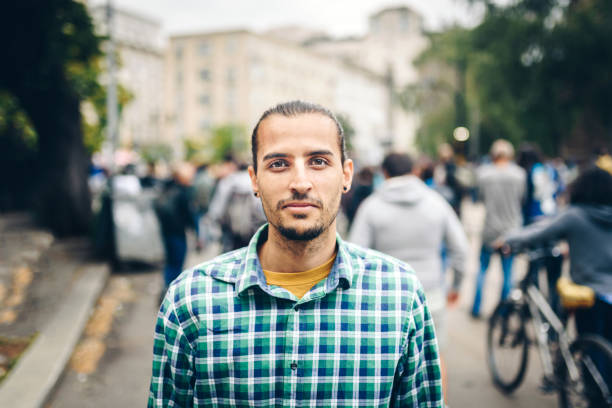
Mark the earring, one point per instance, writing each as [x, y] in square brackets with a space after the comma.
[345, 188]
[256, 194]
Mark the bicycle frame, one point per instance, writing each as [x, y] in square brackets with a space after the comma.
[542, 315]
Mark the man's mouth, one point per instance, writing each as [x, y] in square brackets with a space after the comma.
[299, 205]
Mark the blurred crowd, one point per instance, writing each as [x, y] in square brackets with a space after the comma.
[408, 207]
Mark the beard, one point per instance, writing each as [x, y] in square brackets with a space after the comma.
[308, 234]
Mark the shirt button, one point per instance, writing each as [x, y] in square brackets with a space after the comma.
[294, 366]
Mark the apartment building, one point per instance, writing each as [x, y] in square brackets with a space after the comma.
[139, 46]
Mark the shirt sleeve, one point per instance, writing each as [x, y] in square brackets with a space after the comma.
[540, 232]
[457, 245]
[419, 383]
[172, 380]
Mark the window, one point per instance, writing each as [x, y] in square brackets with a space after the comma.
[204, 99]
[178, 52]
[231, 45]
[205, 124]
[205, 74]
[204, 49]
[231, 75]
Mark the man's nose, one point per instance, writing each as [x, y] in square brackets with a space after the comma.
[300, 182]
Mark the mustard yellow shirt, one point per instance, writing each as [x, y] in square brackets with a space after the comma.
[299, 283]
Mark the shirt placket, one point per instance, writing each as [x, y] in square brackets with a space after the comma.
[292, 343]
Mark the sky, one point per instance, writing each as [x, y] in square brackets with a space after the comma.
[336, 17]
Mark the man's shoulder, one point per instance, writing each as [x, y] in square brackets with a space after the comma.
[372, 264]
[222, 270]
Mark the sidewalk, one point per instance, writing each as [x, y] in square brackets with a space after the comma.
[47, 290]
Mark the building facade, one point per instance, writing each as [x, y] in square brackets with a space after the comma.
[231, 77]
[140, 70]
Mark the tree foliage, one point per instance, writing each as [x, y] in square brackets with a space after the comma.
[538, 70]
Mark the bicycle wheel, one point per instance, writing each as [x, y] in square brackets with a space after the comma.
[507, 345]
[593, 357]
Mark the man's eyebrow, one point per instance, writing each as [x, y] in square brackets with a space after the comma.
[274, 156]
[321, 153]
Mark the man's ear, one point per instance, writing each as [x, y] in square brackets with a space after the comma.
[253, 177]
[347, 170]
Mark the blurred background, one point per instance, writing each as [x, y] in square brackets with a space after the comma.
[100, 99]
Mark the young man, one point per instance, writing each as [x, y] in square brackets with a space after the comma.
[299, 317]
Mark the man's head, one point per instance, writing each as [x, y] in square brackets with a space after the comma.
[501, 150]
[294, 108]
[301, 169]
[397, 164]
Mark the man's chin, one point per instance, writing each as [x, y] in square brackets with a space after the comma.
[300, 234]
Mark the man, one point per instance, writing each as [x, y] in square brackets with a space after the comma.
[406, 219]
[502, 188]
[299, 317]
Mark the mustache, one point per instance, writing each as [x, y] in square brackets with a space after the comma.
[303, 198]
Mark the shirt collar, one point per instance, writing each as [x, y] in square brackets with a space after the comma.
[251, 273]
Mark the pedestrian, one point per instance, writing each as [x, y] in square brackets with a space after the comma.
[406, 219]
[586, 225]
[299, 317]
[175, 210]
[445, 177]
[543, 187]
[501, 187]
[234, 209]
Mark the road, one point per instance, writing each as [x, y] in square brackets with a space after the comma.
[120, 379]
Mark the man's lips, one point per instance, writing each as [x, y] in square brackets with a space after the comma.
[299, 205]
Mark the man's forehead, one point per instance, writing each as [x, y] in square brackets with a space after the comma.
[300, 122]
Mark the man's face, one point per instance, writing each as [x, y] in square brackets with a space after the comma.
[300, 176]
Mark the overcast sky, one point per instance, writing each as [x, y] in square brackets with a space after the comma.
[337, 17]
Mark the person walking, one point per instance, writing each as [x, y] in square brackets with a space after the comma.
[501, 187]
[175, 210]
[299, 317]
[408, 220]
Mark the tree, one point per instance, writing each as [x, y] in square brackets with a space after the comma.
[536, 70]
[41, 42]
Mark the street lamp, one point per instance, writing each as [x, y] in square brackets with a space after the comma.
[461, 134]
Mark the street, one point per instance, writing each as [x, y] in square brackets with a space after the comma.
[122, 375]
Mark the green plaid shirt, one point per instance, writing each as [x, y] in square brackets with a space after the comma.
[361, 337]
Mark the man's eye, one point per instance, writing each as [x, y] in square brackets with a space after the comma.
[278, 164]
[318, 162]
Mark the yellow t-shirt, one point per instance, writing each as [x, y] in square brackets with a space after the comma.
[299, 283]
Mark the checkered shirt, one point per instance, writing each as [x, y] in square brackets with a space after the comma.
[361, 337]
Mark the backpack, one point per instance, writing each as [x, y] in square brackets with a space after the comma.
[244, 214]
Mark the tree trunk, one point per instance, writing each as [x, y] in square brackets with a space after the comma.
[64, 201]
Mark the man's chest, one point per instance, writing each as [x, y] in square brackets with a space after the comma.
[342, 350]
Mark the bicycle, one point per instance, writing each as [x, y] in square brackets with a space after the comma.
[579, 371]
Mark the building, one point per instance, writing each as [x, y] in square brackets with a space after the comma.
[139, 46]
[394, 40]
[231, 77]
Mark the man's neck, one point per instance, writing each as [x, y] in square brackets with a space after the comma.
[278, 254]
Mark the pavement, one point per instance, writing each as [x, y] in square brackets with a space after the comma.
[48, 288]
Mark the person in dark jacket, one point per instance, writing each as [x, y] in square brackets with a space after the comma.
[175, 209]
[587, 227]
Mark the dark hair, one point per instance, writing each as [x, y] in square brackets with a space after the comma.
[397, 164]
[528, 155]
[592, 186]
[295, 108]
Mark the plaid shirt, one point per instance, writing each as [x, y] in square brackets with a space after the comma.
[361, 337]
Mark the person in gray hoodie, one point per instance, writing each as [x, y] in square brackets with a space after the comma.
[408, 220]
[586, 225]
